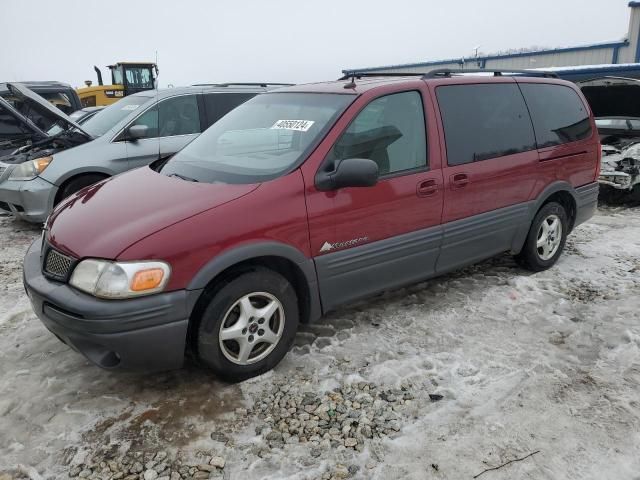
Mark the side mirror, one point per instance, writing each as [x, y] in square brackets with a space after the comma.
[351, 172]
[136, 132]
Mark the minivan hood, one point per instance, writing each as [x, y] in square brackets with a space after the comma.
[43, 107]
[106, 218]
[612, 96]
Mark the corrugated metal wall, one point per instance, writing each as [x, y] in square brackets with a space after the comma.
[625, 51]
[585, 57]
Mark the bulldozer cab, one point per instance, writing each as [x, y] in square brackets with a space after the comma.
[126, 78]
[134, 77]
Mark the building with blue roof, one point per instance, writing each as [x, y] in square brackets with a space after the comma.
[616, 58]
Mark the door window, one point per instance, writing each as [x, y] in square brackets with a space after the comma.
[150, 120]
[558, 114]
[390, 131]
[484, 121]
[174, 116]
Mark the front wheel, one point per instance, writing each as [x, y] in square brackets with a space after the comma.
[546, 238]
[249, 325]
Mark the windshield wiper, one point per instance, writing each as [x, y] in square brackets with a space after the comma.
[182, 177]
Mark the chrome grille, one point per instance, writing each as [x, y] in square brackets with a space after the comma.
[57, 264]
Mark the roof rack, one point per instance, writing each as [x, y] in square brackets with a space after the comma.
[350, 75]
[448, 72]
[244, 84]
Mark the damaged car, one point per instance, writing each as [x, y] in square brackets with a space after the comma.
[614, 102]
[21, 137]
[27, 148]
[16, 130]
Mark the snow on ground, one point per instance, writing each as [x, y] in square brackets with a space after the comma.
[547, 362]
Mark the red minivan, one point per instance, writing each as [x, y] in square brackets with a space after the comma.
[304, 199]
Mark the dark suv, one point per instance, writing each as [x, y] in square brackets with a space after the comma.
[304, 199]
[62, 95]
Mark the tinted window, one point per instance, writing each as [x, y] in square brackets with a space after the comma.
[390, 131]
[178, 116]
[484, 121]
[219, 104]
[558, 114]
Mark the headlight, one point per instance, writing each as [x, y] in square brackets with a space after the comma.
[31, 169]
[114, 280]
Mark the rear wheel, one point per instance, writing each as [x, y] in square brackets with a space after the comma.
[546, 238]
[76, 184]
[249, 325]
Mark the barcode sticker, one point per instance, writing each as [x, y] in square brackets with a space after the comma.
[298, 125]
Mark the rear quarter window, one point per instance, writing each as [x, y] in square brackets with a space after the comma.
[559, 116]
[484, 121]
[219, 104]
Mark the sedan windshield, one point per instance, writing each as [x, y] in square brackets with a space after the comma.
[261, 139]
[104, 121]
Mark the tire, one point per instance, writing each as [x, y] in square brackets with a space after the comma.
[78, 183]
[536, 254]
[237, 310]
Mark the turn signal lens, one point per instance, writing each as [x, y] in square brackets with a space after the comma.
[147, 279]
[41, 163]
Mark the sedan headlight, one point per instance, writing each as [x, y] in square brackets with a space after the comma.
[116, 280]
[31, 169]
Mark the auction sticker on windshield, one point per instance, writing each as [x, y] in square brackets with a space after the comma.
[130, 107]
[298, 125]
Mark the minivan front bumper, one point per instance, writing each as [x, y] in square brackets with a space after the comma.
[146, 333]
[30, 200]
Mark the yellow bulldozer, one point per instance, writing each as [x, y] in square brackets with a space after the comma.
[126, 78]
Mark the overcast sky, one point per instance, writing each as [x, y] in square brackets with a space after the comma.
[281, 40]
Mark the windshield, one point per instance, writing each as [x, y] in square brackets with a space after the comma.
[79, 116]
[259, 140]
[104, 121]
[139, 77]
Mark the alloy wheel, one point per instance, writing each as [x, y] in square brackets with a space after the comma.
[252, 327]
[549, 237]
